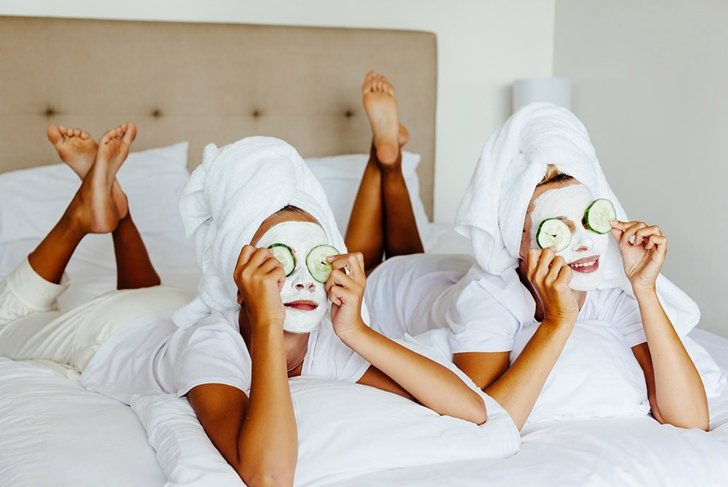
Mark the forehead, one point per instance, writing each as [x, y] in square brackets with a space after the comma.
[299, 235]
[280, 217]
[569, 201]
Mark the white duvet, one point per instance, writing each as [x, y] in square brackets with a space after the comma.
[53, 432]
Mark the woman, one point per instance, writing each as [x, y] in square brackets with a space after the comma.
[512, 313]
[255, 324]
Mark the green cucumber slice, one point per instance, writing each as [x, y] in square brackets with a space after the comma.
[316, 262]
[283, 253]
[552, 232]
[599, 215]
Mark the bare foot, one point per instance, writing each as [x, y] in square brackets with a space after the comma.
[93, 208]
[380, 104]
[78, 149]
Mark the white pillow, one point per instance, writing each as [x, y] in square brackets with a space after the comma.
[32, 200]
[344, 430]
[185, 452]
[596, 375]
[340, 176]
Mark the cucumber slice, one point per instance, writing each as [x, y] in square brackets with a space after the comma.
[283, 253]
[553, 232]
[599, 215]
[316, 262]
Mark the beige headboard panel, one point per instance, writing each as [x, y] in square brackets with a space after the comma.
[208, 83]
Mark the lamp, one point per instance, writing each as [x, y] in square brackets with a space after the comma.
[551, 90]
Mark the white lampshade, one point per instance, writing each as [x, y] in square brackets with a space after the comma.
[551, 90]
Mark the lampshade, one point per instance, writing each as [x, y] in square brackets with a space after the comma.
[552, 90]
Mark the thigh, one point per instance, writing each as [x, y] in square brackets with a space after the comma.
[402, 291]
[73, 337]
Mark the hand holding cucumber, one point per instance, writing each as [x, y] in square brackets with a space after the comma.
[643, 250]
[550, 276]
[345, 288]
[260, 277]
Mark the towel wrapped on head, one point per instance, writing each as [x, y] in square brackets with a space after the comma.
[228, 196]
[493, 210]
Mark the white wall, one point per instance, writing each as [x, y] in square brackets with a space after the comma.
[650, 83]
[483, 46]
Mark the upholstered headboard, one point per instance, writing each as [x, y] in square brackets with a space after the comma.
[208, 83]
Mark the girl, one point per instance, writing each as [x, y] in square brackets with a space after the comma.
[231, 356]
[522, 311]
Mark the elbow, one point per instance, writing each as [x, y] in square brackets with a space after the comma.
[255, 476]
[476, 411]
[698, 421]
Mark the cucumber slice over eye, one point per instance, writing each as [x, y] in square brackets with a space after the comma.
[599, 215]
[316, 262]
[553, 232]
[283, 253]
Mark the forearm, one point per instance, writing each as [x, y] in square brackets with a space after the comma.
[430, 383]
[678, 389]
[268, 438]
[519, 387]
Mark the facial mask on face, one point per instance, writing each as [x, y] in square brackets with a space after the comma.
[304, 298]
[586, 251]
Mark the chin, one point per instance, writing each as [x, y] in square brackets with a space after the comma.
[586, 282]
[302, 321]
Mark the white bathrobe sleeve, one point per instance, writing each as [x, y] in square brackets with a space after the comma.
[480, 323]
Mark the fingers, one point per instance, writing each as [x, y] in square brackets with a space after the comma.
[353, 262]
[658, 243]
[347, 281]
[341, 295]
[253, 260]
[556, 265]
[633, 233]
[539, 262]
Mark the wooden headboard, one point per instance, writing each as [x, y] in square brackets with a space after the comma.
[208, 83]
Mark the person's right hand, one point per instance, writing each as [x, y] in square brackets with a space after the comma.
[260, 278]
[550, 277]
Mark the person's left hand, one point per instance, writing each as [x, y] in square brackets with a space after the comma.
[643, 250]
[346, 292]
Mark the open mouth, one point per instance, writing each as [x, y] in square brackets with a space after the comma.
[585, 265]
[302, 305]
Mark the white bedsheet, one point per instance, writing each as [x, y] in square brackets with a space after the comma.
[53, 432]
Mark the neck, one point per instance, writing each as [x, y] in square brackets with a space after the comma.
[295, 344]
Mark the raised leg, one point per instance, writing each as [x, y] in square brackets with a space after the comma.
[92, 210]
[77, 149]
[382, 222]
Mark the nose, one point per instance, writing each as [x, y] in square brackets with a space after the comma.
[582, 241]
[301, 286]
[302, 280]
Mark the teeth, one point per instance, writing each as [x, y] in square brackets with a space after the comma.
[587, 264]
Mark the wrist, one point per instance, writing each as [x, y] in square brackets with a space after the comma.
[351, 333]
[558, 322]
[644, 291]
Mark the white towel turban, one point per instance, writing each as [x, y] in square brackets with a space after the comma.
[228, 196]
[513, 162]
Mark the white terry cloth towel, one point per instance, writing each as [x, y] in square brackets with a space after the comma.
[512, 163]
[227, 198]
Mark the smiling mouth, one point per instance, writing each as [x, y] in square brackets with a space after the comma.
[585, 265]
[302, 305]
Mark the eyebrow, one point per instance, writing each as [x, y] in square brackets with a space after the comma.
[569, 223]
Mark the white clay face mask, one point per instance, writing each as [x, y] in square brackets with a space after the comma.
[303, 296]
[585, 252]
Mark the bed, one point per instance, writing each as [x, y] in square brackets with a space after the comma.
[185, 89]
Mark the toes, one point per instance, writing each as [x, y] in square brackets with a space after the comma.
[130, 133]
[76, 132]
[55, 135]
[107, 137]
